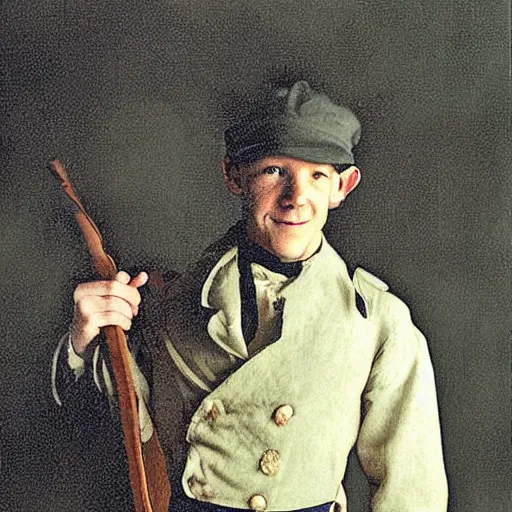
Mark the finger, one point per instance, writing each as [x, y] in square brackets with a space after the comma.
[113, 318]
[123, 277]
[107, 288]
[90, 306]
[83, 332]
[139, 280]
[110, 303]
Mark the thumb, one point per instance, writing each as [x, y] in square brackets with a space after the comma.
[139, 280]
[123, 277]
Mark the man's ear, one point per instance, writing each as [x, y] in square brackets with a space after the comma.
[348, 181]
[232, 177]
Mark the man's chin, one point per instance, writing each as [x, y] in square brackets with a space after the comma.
[288, 248]
[289, 253]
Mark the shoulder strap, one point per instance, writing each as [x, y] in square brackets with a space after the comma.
[364, 284]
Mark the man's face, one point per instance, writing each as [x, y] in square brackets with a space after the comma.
[287, 202]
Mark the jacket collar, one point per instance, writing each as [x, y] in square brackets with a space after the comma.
[221, 292]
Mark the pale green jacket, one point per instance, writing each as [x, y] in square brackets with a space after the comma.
[342, 379]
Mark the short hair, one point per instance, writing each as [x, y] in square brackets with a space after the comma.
[339, 168]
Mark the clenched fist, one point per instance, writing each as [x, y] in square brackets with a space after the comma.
[101, 303]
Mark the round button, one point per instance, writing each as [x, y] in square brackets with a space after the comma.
[257, 502]
[269, 462]
[211, 413]
[283, 414]
[200, 488]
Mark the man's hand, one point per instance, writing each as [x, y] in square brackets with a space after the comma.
[101, 303]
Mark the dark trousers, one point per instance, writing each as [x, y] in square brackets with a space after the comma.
[184, 504]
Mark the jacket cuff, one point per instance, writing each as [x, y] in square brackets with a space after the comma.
[67, 367]
[75, 361]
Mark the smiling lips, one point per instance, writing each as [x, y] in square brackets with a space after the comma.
[290, 222]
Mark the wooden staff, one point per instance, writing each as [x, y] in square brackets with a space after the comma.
[151, 494]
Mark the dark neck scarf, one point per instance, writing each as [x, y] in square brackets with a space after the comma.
[248, 253]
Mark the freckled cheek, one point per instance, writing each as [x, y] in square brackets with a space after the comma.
[261, 203]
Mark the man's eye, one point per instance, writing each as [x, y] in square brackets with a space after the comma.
[317, 175]
[273, 170]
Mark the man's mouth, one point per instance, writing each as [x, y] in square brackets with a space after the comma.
[290, 222]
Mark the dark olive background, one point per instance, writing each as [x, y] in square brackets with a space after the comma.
[134, 97]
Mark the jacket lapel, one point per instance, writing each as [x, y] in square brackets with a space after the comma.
[221, 292]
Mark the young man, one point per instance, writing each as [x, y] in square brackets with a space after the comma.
[266, 361]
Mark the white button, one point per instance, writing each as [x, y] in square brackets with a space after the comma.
[283, 414]
[257, 502]
[269, 462]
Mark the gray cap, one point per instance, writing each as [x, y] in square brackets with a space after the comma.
[298, 122]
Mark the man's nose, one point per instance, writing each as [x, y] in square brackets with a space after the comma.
[294, 192]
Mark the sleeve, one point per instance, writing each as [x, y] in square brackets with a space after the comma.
[399, 444]
[69, 370]
[76, 380]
